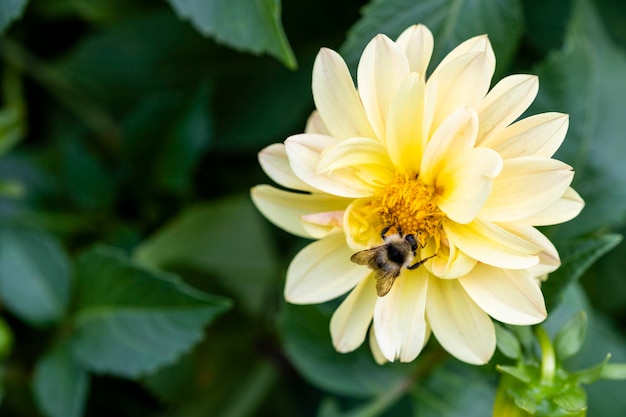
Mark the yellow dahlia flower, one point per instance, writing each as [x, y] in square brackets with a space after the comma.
[438, 161]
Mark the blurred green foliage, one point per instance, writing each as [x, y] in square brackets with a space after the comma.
[136, 277]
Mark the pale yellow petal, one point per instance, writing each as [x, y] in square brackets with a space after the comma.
[460, 326]
[527, 185]
[476, 44]
[564, 209]
[367, 158]
[399, 317]
[304, 153]
[505, 103]
[382, 68]
[362, 230]
[507, 295]
[457, 133]
[285, 209]
[320, 224]
[375, 349]
[350, 322]
[417, 43]
[461, 81]
[538, 135]
[549, 259]
[322, 271]
[449, 262]
[464, 183]
[274, 161]
[491, 244]
[336, 98]
[405, 141]
[315, 124]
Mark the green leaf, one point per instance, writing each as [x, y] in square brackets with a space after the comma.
[60, 384]
[186, 142]
[450, 21]
[252, 26]
[35, 280]
[591, 375]
[586, 80]
[226, 237]
[454, 390]
[137, 56]
[383, 405]
[572, 401]
[614, 371]
[6, 339]
[571, 337]
[576, 257]
[604, 277]
[516, 372]
[167, 134]
[250, 124]
[546, 22]
[85, 179]
[507, 343]
[132, 320]
[10, 10]
[12, 114]
[307, 343]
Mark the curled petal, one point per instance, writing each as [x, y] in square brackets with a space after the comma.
[527, 186]
[460, 326]
[564, 209]
[286, 209]
[405, 141]
[366, 157]
[382, 68]
[507, 295]
[322, 271]
[350, 322]
[360, 225]
[465, 181]
[399, 317]
[493, 245]
[336, 99]
[449, 262]
[417, 43]
[322, 224]
[457, 133]
[505, 103]
[304, 153]
[274, 161]
[538, 135]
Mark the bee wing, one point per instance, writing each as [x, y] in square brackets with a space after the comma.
[363, 257]
[385, 280]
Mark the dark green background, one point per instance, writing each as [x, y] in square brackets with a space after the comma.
[136, 277]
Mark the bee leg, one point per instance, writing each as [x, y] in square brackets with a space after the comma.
[412, 242]
[416, 265]
[384, 232]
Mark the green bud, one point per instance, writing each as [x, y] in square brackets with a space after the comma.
[516, 398]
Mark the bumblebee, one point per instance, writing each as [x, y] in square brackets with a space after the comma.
[388, 259]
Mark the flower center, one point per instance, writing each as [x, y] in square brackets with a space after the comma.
[408, 203]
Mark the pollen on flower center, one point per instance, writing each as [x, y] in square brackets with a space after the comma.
[407, 203]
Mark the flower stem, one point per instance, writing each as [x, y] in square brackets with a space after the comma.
[548, 358]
